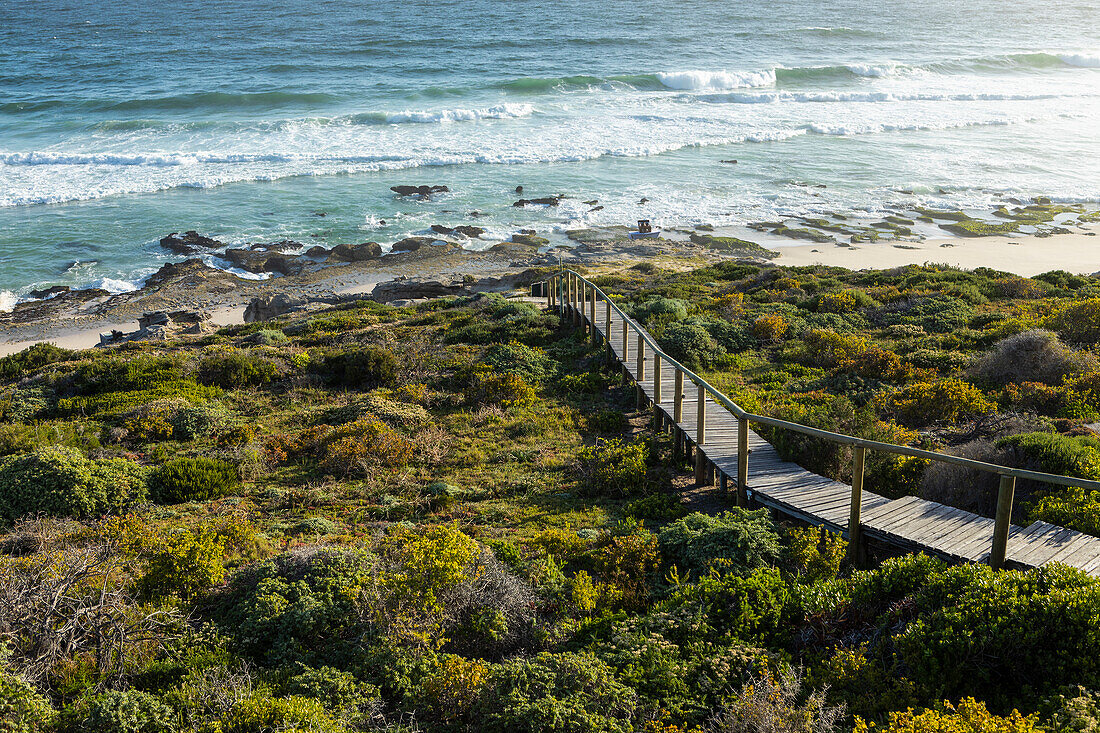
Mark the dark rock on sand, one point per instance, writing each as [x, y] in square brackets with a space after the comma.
[189, 243]
[52, 309]
[422, 191]
[195, 269]
[317, 251]
[356, 252]
[266, 307]
[411, 244]
[416, 289]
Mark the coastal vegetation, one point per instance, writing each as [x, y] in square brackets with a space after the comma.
[450, 516]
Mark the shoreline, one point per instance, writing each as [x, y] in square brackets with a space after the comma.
[77, 323]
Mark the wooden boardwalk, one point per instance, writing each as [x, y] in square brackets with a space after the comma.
[910, 523]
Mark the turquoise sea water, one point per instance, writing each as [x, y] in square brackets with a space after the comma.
[245, 119]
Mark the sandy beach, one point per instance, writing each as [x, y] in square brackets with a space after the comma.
[1078, 253]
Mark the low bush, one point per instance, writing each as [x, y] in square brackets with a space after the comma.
[1032, 356]
[1072, 508]
[1078, 322]
[22, 709]
[737, 541]
[616, 466]
[132, 711]
[774, 704]
[193, 479]
[970, 716]
[31, 358]
[948, 400]
[504, 390]
[62, 482]
[690, 344]
[236, 369]
[572, 693]
[184, 564]
[364, 368]
[529, 363]
[755, 608]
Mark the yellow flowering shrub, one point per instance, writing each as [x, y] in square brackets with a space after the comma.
[947, 400]
[970, 716]
[770, 327]
[829, 348]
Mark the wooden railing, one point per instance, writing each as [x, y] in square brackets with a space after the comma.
[573, 294]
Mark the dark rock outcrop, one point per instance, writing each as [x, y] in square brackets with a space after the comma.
[415, 289]
[411, 244]
[267, 307]
[464, 229]
[48, 292]
[189, 243]
[421, 191]
[544, 201]
[530, 239]
[356, 252]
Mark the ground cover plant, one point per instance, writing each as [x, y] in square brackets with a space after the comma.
[451, 517]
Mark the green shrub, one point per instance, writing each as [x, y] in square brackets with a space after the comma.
[737, 541]
[193, 479]
[570, 693]
[1054, 453]
[529, 363]
[690, 344]
[261, 713]
[615, 466]
[664, 309]
[33, 357]
[755, 608]
[985, 634]
[236, 369]
[22, 709]
[62, 482]
[132, 711]
[1072, 508]
[185, 564]
[337, 690]
[197, 421]
[363, 368]
[657, 507]
[303, 607]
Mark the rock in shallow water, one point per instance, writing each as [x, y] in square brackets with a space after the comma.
[423, 191]
[189, 243]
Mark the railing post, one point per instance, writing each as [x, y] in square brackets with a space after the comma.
[582, 296]
[701, 438]
[677, 411]
[1004, 522]
[607, 331]
[742, 462]
[626, 340]
[578, 313]
[640, 371]
[656, 398]
[569, 296]
[592, 316]
[855, 528]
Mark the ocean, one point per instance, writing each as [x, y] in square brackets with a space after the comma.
[251, 120]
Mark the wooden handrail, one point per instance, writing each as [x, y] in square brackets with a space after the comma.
[841, 438]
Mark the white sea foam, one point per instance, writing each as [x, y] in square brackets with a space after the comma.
[8, 299]
[114, 286]
[784, 96]
[1087, 60]
[498, 112]
[687, 80]
[873, 70]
